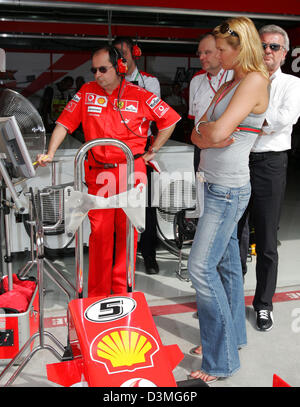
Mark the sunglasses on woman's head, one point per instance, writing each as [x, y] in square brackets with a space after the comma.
[101, 69]
[225, 28]
[273, 47]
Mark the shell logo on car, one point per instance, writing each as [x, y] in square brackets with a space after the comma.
[124, 349]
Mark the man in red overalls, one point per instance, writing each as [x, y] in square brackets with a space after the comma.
[111, 107]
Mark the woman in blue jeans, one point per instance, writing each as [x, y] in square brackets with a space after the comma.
[225, 135]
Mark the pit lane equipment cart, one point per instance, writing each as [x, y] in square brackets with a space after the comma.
[113, 340]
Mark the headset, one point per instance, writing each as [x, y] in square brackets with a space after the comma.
[120, 65]
[136, 51]
[118, 61]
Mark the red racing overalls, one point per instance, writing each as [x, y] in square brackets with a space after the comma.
[124, 115]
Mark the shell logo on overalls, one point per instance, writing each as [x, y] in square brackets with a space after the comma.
[123, 349]
[101, 101]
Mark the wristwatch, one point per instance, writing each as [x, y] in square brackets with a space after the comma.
[198, 124]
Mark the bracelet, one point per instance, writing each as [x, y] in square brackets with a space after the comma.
[197, 126]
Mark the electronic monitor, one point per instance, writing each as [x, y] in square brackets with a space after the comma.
[13, 146]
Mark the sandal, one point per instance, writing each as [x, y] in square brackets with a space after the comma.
[194, 353]
[206, 378]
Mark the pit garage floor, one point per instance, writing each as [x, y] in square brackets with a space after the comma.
[172, 303]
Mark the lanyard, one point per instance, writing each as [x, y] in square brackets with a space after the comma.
[135, 81]
[219, 83]
[223, 93]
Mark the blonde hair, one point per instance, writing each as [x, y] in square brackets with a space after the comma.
[242, 32]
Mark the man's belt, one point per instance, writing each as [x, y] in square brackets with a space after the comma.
[263, 154]
[111, 165]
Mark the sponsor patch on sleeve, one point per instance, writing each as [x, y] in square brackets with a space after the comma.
[77, 97]
[71, 106]
[161, 109]
[153, 101]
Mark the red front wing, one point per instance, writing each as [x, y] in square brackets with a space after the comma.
[115, 343]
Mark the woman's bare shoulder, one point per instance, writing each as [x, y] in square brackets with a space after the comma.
[256, 78]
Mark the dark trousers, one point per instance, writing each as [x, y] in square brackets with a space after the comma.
[148, 239]
[196, 162]
[268, 183]
[243, 237]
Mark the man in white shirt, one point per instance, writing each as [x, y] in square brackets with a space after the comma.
[268, 168]
[131, 52]
[148, 239]
[206, 82]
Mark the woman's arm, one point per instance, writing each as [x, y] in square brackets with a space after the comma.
[204, 142]
[250, 96]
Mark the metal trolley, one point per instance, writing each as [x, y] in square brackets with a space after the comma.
[78, 186]
[39, 228]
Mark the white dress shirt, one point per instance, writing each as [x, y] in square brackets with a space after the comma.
[282, 113]
[203, 88]
[145, 80]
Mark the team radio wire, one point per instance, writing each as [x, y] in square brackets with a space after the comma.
[120, 112]
[118, 107]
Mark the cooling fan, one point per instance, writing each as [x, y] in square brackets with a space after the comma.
[34, 135]
[175, 198]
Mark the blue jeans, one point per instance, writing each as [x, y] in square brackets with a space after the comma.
[215, 269]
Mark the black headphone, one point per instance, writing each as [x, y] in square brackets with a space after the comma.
[118, 61]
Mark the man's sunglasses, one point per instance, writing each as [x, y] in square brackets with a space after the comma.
[225, 28]
[273, 46]
[101, 69]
